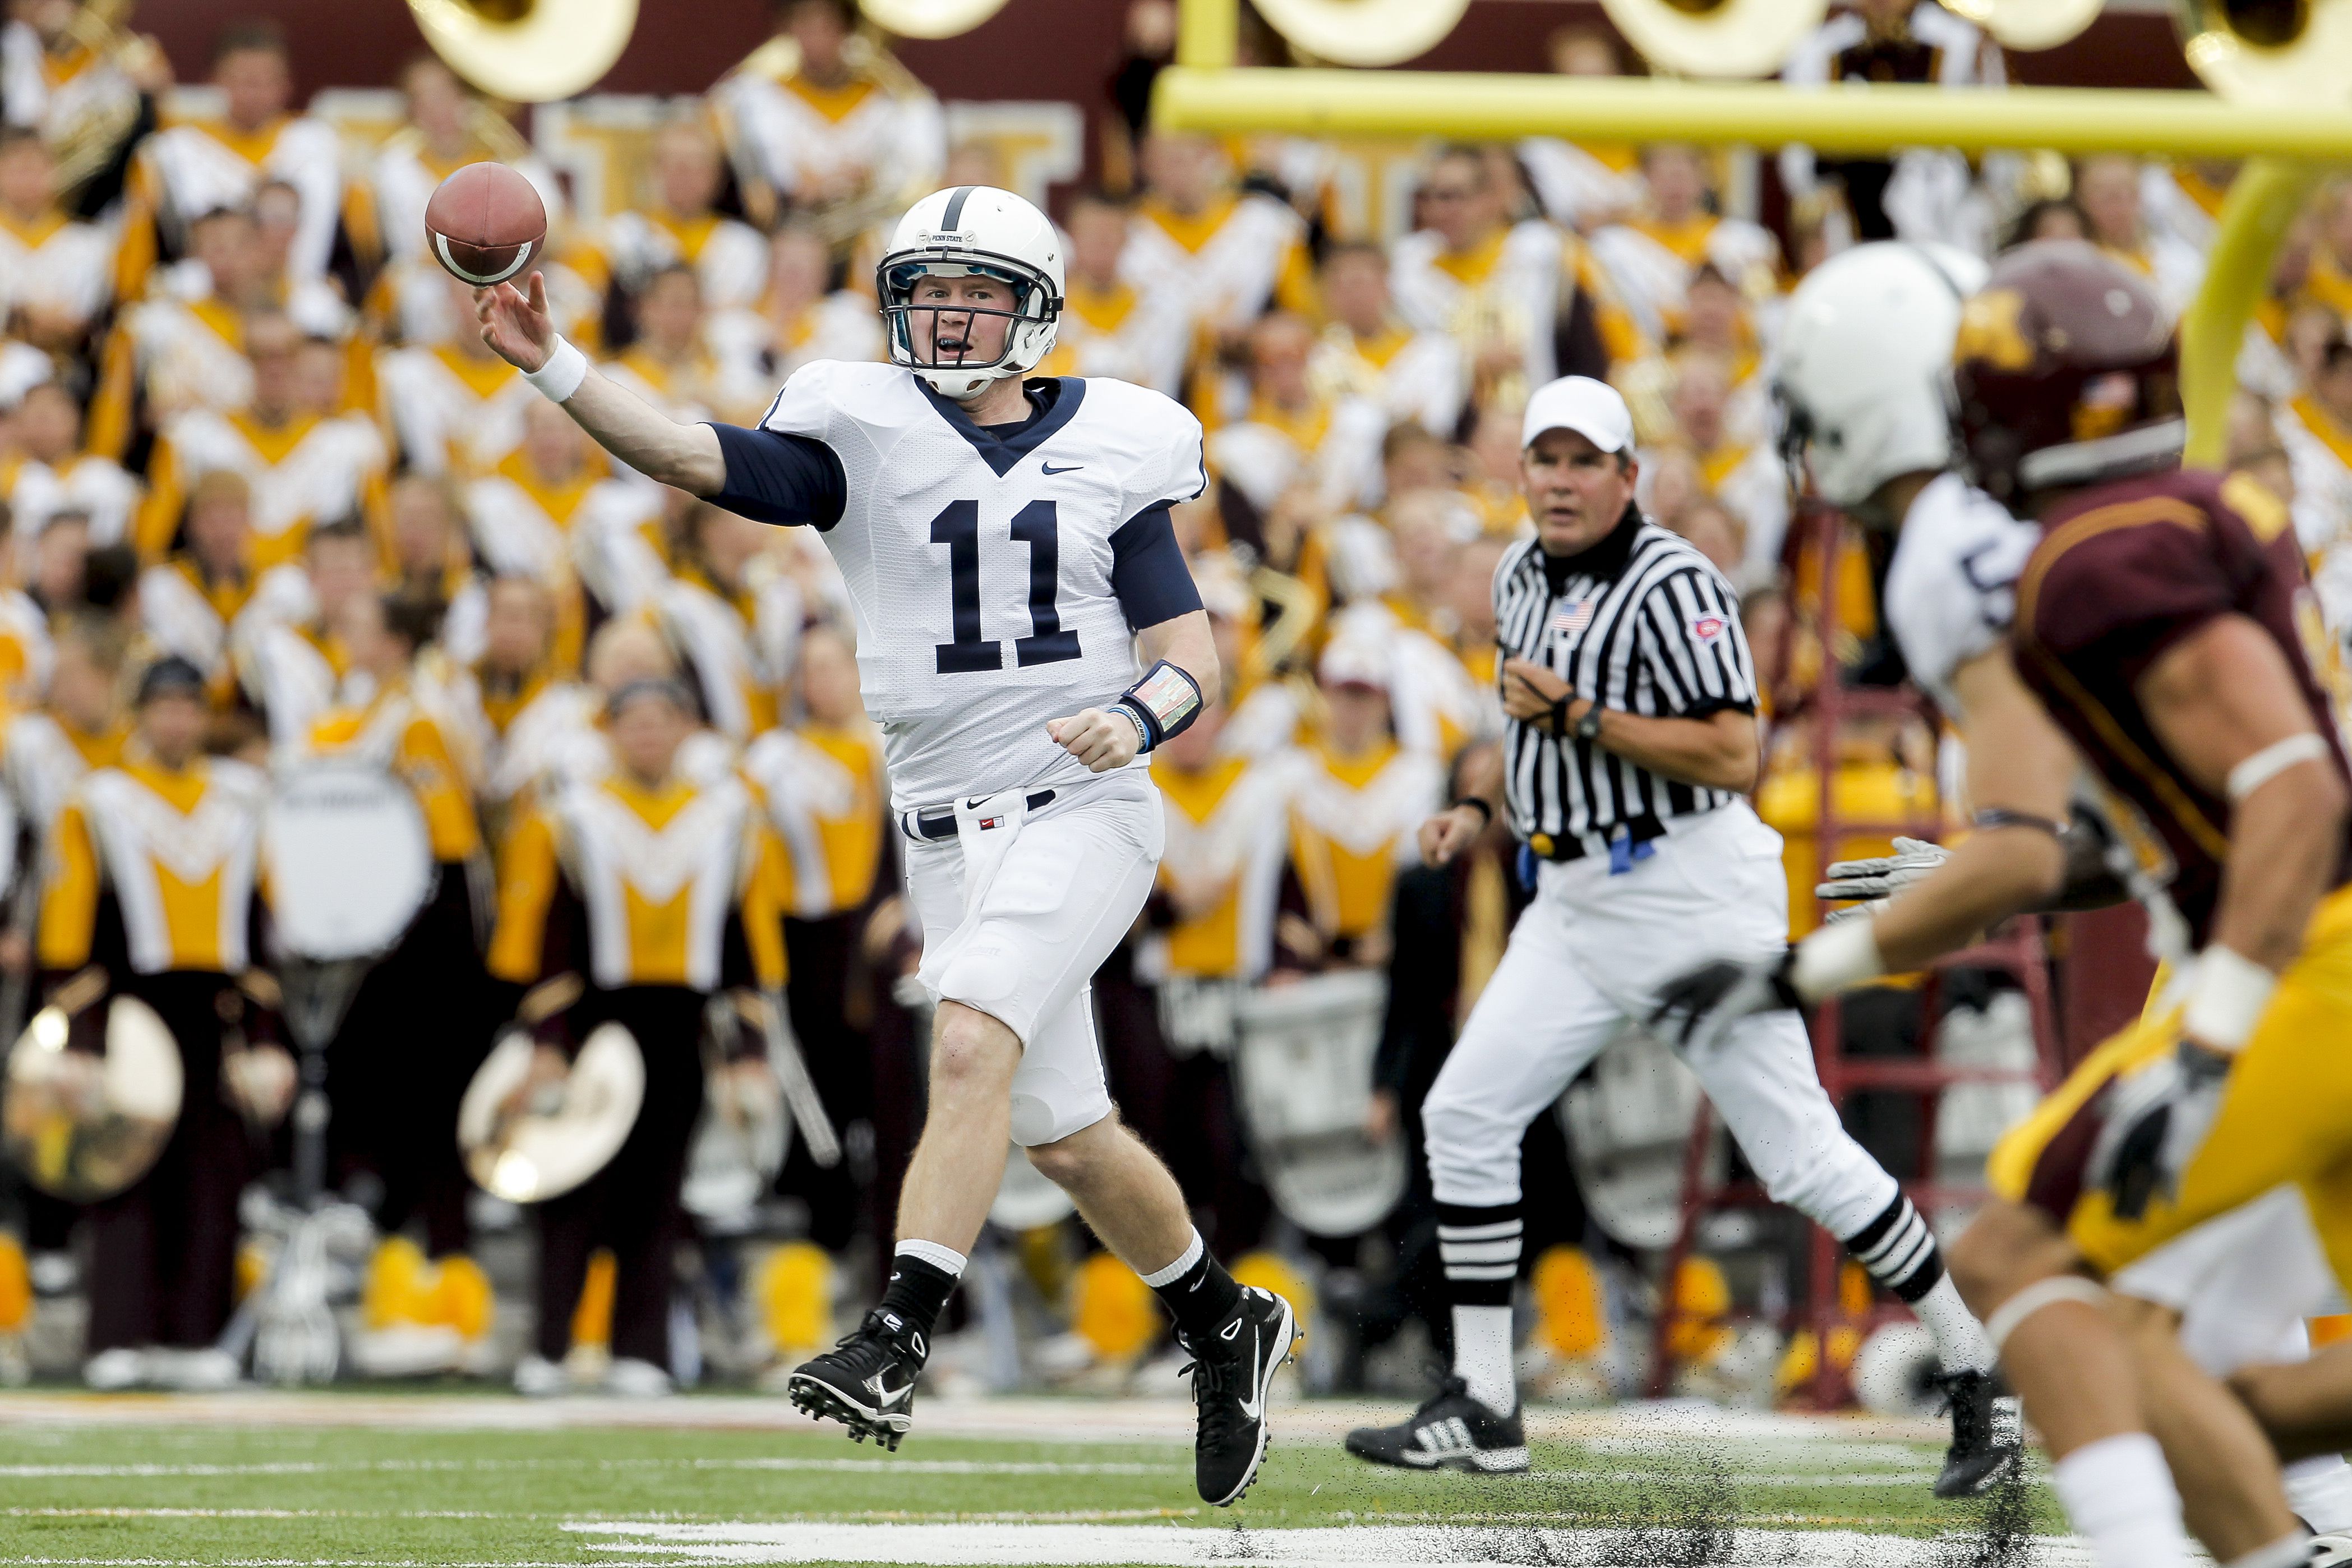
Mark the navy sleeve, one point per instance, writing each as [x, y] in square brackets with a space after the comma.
[776, 478]
[1148, 570]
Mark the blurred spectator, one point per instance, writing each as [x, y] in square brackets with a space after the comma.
[56, 273]
[1107, 327]
[1653, 254]
[681, 227]
[2107, 187]
[54, 473]
[1367, 352]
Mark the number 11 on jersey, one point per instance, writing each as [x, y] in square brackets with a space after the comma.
[1037, 525]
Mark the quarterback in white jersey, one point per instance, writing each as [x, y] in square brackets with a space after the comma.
[1006, 547]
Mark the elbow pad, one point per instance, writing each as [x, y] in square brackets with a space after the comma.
[1164, 702]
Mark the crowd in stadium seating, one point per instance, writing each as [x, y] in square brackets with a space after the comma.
[245, 420]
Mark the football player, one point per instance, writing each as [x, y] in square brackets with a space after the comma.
[1006, 545]
[2156, 634]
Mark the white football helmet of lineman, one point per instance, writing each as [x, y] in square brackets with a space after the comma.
[1865, 359]
[956, 233]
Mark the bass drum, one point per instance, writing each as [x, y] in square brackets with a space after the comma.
[1628, 1123]
[1303, 1077]
[526, 1143]
[348, 857]
[82, 1125]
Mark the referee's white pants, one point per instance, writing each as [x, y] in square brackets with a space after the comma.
[1586, 959]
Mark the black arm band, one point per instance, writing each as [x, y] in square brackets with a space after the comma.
[1479, 805]
[1165, 702]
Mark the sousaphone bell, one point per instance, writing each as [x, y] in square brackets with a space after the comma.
[84, 1125]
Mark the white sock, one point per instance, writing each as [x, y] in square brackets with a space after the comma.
[1184, 1260]
[2286, 1551]
[2319, 1490]
[1961, 1343]
[1482, 1356]
[2121, 1500]
[946, 1259]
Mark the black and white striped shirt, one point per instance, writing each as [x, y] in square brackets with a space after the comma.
[1643, 622]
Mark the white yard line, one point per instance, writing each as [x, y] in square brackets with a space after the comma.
[877, 1467]
[1051, 1546]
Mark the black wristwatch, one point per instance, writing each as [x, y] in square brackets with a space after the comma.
[1589, 727]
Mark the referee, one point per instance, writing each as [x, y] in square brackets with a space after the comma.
[1630, 744]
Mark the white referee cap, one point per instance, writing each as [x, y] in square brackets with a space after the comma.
[1590, 408]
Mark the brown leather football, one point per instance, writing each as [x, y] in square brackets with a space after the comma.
[485, 224]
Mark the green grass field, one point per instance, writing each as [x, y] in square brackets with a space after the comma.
[253, 1491]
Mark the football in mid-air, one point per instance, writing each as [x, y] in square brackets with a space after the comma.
[485, 224]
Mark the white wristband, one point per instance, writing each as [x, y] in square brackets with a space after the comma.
[561, 376]
[1835, 957]
[2272, 760]
[2226, 998]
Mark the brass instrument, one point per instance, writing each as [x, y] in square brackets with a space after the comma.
[843, 219]
[528, 51]
[84, 1125]
[1363, 32]
[928, 19]
[1717, 37]
[2029, 24]
[2268, 51]
[85, 140]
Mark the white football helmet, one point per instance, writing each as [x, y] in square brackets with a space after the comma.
[957, 233]
[1865, 362]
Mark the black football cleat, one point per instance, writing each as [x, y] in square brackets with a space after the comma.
[1231, 1370]
[866, 1382]
[1453, 1431]
[1988, 1435]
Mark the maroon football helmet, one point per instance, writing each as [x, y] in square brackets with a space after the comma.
[2066, 372]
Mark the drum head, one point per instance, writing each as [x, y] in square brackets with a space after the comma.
[349, 861]
[1303, 1072]
[82, 1126]
[1628, 1123]
[1026, 1198]
[528, 1148]
[739, 1146]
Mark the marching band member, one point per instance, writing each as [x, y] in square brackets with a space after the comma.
[303, 468]
[1652, 255]
[186, 170]
[647, 893]
[797, 320]
[53, 81]
[420, 1024]
[448, 126]
[735, 619]
[290, 661]
[1107, 328]
[1369, 351]
[821, 785]
[1227, 818]
[430, 562]
[450, 406]
[55, 274]
[520, 696]
[1357, 802]
[554, 501]
[189, 602]
[843, 134]
[149, 883]
[1200, 245]
[46, 750]
[1523, 300]
[679, 227]
[1278, 427]
[667, 362]
[2316, 427]
[183, 346]
[1745, 476]
[54, 472]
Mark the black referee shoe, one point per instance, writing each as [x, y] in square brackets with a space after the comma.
[1988, 1435]
[866, 1382]
[1232, 1369]
[1453, 1431]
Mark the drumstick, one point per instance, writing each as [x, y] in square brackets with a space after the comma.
[800, 1090]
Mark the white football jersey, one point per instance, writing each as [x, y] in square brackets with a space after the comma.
[1951, 589]
[980, 570]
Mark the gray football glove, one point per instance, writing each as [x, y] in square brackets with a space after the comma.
[1882, 876]
[2155, 1120]
[1697, 1008]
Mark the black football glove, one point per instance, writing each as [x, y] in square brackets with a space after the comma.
[2156, 1119]
[1696, 1008]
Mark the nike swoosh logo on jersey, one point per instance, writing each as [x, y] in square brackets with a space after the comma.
[1049, 469]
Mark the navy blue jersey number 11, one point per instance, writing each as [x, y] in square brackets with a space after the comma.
[1037, 525]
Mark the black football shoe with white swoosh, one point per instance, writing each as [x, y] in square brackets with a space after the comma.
[1453, 1431]
[1232, 1367]
[866, 1382]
